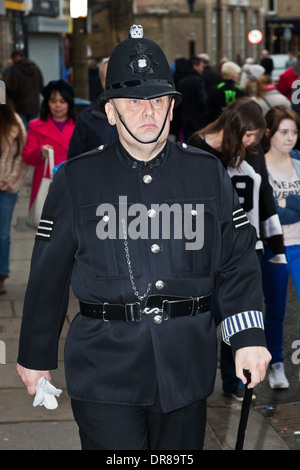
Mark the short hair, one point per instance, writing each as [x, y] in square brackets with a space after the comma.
[194, 60]
[17, 53]
[230, 70]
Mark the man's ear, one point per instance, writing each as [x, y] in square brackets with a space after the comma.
[110, 113]
[171, 109]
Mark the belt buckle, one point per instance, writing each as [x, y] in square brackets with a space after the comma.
[104, 311]
[165, 314]
[137, 312]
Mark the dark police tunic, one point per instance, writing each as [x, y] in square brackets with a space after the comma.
[124, 362]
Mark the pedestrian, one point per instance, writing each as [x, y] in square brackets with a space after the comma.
[52, 130]
[24, 84]
[140, 356]
[234, 139]
[291, 61]
[224, 93]
[249, 76]
[95, 86]
[192, 88]
[92, 127]
[288, 79]
[180, 70]
[266, 62]
[267, 95]
[12, 174]
[283, 167]
[210, 76]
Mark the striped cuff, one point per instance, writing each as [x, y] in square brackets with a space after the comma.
[239, 322]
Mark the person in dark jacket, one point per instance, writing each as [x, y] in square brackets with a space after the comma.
[266, 62]
[210, 76]
[92, 127]
[25, 84]
[224, 93]
[140, 357]
[192, 88]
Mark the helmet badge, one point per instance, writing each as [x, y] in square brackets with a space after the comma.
[141, 64]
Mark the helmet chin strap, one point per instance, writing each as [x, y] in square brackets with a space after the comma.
[129, 132]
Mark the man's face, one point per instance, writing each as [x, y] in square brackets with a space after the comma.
[144, 118]
[200, 68]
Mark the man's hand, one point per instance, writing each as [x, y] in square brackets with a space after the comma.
[31, 377]
[256, 360]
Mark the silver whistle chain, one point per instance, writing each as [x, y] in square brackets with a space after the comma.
[131, 277]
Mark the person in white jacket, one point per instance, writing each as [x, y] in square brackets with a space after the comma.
[267, 95]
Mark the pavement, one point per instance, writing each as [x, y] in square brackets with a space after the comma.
[24, 427]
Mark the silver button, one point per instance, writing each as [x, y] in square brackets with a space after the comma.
[101, 147]
[147, 179]
[159, 285]
[194, 212]
[155, 248]
[151, 213]
[105, 218]
[184, 146]
[157, 319]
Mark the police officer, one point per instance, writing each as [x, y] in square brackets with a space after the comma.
[144, 230]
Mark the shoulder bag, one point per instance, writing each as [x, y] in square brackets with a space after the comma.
[35, 212]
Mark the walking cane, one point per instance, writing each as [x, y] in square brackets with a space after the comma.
[244, 412]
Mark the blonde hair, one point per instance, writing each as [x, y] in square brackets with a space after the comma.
[230, 70]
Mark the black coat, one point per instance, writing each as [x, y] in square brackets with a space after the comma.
[92, 129]
[192, 88]
[219, 97]
[124, 362]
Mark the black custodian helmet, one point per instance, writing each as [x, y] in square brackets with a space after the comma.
[139, 69]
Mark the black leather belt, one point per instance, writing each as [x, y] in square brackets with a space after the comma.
[164, 306]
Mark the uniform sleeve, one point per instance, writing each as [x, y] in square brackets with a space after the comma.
[238, 284]
[46, 298]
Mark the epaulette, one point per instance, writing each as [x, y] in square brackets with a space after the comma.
[194, 150]
[90, 153]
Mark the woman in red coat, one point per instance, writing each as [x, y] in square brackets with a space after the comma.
[53, 129]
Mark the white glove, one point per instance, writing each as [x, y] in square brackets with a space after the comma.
[45, 394]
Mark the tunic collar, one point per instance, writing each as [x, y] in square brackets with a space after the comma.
[139, 164]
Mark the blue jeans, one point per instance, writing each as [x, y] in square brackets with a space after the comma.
[275, 282]
[7, 205]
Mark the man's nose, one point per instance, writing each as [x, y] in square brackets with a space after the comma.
[148, 108]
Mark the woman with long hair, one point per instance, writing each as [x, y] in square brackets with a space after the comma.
[283, 166]
[52, 130]
[234, 138]
[12, 174]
